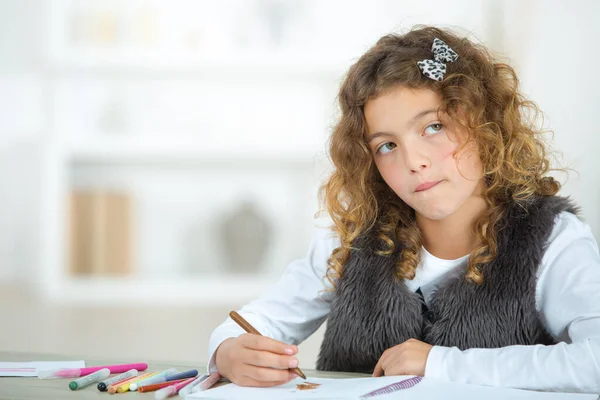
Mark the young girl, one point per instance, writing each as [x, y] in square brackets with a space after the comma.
[450, 255]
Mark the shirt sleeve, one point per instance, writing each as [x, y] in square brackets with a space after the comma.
[568, 300]
[295, 307]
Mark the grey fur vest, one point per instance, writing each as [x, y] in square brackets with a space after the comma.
[371, 311]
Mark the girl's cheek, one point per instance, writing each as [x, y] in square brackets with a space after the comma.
[449, 152]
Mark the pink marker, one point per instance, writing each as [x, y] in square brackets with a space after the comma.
[209, 382]
[77, 372]
[172, 390]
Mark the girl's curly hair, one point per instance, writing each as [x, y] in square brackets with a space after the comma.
[500, 120]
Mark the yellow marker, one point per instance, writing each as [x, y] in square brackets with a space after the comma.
[125, 387]
[112, 389]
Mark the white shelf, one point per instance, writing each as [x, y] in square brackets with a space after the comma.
[198, 291]
[116, 150]
[242, 63]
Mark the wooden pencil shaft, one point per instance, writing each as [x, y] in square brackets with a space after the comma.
[243, 323]
[250, 329]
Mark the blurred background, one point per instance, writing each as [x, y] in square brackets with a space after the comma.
[159, 160]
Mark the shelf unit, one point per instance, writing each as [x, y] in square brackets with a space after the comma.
[119, 150]
[313, 66]
[67, 152]
[233, 290]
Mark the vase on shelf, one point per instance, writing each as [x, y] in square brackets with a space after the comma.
[245, 236]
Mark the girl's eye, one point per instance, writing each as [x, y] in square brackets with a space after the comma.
[433, 129]
[386, 148]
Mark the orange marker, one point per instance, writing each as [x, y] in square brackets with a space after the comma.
[156, 386]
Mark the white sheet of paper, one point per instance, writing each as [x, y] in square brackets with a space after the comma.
[354, 388]
[31, 368]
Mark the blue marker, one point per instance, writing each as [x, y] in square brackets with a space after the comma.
[192, 373]
[167, 378]
[152, 380]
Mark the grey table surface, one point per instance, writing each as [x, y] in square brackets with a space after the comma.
[22, 388]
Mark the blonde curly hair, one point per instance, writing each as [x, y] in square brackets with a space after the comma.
[500, 120]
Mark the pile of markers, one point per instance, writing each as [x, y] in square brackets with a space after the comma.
[166, 383]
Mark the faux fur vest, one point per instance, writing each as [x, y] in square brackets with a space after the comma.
[372, 311]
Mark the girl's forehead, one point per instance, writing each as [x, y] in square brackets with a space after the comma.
[401, 104]
[404, 96]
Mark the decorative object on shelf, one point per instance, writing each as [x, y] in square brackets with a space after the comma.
[78, 25]
[287, 22]
[245, 235]
[145, 26]
[106, 28]
[112, 118]
[276, 14]
[100, 233]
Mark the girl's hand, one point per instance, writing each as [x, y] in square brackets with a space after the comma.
[253, 360]
[408, 358]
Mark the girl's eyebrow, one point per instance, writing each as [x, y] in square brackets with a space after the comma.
[421, 115]
[409, 123]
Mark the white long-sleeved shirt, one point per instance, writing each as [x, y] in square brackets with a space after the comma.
[567, 298]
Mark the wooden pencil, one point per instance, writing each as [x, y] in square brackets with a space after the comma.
[245, 325]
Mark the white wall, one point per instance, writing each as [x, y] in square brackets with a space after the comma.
[21, 135]
[556, 51]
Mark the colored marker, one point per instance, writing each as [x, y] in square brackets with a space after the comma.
[112, 389]
[115, 385]
[192, 373]
[89, 379]
[208, 382]
[155, 379]
[125, 386]
[157, 386]
[169, 391]
[77, 372]
[188, 389]
[102, 386]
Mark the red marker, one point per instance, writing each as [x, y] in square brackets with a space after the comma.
[155, 386]
[171, 390]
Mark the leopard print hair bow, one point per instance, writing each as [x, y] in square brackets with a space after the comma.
[436, 68]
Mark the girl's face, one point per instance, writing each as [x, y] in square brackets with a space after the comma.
[416, 152]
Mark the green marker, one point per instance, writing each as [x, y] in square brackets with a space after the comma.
[89, 379]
